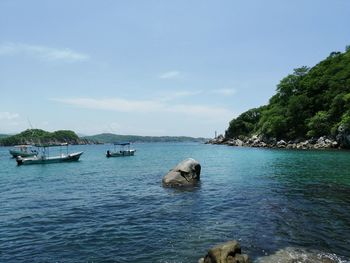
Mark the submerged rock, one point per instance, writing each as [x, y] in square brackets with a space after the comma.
[229, 252]
[186, 173]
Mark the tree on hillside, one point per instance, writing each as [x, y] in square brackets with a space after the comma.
[245, 124]
[309, 102]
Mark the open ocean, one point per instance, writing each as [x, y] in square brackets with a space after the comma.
[116, 210]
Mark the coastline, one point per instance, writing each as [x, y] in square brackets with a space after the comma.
[321, 143]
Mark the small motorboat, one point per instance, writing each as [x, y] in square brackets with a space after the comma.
[45, 158]
[123, 151]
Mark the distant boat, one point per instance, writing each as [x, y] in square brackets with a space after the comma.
[45, 158]
[123, 151]
[23, 150]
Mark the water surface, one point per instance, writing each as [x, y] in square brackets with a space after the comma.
[116, 210]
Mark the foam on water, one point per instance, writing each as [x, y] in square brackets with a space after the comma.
[301, 255]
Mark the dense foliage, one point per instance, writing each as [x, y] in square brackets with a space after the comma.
[2, 136]
[110, 138]
[37, 136]
[308, 103]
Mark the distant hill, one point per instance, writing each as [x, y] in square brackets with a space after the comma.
[2, 136]
[37, 136]
[110, 138]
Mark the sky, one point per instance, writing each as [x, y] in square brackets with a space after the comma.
[155, 67]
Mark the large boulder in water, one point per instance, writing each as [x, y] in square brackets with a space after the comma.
[186, 173]
[229, 252]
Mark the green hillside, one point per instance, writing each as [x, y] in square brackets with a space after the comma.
[310, 102]
[37, 136]
[110, 138]
[2, 136]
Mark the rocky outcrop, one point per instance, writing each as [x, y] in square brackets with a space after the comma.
[229, 252]
[218, 140]
[343, 136]
[262, 142]
[281, 144]
[186, 173]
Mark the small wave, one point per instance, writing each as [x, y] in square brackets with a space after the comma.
[301, 255]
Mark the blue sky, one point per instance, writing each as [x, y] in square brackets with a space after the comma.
[154, 67]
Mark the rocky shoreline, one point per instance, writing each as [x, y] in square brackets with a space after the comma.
[261, 142]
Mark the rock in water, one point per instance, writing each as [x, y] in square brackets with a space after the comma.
[229, 252]
[186, 173]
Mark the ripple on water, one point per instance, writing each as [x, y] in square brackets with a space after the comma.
[301, 255]
[116, 210]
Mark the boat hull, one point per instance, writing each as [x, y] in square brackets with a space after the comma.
[120, 153]
[57, 159]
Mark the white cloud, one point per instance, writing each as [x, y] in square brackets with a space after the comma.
[8, 115]
[148, 106]
[183, 94]
[42, 52]
[171, 75]
[178, 94]
[225, 92]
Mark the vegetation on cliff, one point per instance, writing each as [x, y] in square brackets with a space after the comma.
[37, 136]
[310, 102]
[2, 136]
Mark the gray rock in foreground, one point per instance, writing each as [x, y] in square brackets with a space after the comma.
[229, 252]
[186, 173]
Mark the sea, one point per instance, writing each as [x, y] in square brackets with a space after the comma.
[276, 203]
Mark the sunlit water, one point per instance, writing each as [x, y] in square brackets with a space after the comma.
[116, 210]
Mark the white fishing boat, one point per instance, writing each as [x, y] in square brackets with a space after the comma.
[23, 150]
[45, 158]
[122, 152]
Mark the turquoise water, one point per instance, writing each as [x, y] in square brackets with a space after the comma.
[116, 210]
